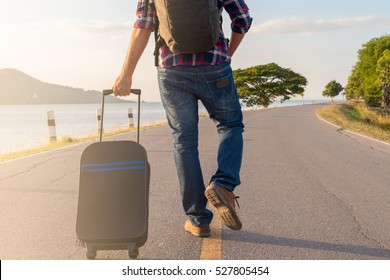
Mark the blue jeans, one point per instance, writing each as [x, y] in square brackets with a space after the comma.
[180, 88]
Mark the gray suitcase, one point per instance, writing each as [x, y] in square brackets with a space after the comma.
[113, 197]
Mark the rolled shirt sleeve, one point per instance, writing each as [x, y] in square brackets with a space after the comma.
[239, 15]
[145, 20]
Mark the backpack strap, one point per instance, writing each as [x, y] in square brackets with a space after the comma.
[159, 41]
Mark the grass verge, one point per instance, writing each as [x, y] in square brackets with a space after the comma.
[357, 117]
[69, 140]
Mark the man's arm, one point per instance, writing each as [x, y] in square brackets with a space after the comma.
[139, 40]
[235, 41]
[241, 22]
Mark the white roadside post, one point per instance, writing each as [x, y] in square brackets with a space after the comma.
[130, 117]
[99, 119]
[51, 122]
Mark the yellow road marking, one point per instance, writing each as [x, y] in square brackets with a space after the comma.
[212, 246]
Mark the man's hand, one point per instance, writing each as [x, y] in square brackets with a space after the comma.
[122, 85]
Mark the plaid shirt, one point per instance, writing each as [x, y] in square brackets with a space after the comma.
[241, 22]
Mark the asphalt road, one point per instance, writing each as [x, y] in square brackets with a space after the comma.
[309, 191]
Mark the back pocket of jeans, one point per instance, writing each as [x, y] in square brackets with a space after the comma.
[224, 93]
[171, 90]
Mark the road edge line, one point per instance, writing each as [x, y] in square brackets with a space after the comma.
[352, 132]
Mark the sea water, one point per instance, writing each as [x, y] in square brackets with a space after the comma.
[25, 126]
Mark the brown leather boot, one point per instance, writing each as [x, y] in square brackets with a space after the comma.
[223, 200]
[200, 231]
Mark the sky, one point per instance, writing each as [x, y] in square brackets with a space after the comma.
[83, 43]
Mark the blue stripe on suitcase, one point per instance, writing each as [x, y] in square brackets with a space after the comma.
[112, 166]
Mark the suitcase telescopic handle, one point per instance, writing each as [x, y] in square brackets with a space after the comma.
[110, 91]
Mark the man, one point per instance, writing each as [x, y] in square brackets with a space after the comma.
[183, 80]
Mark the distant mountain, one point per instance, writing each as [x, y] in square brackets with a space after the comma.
[18, 88]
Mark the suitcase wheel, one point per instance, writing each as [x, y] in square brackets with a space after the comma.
[133, 254]
[91, 253]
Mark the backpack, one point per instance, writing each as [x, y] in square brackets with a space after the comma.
[187, 26]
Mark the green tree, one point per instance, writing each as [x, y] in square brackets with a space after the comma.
[263, 84]
[354, 90]
[332, 89]
[363, 82]
[384, 77]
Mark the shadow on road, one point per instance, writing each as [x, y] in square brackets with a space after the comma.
[251, 237]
